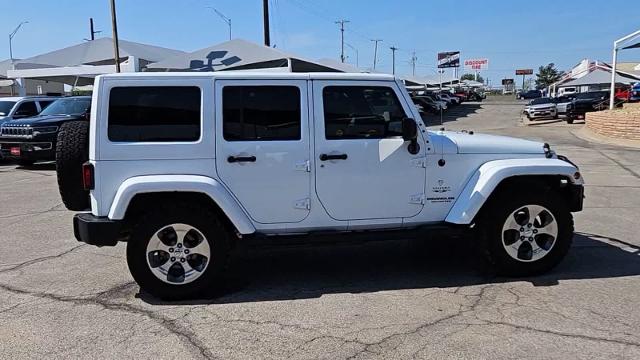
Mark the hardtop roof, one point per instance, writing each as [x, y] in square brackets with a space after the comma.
[253, 75]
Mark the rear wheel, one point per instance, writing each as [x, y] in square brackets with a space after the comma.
[526, 234]
[72, 150]
[569, 120]
[178, 252]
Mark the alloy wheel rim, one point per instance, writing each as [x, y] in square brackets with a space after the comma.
[529, 233]
[178, 254]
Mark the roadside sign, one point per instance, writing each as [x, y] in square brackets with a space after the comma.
[508, 81]
[476, 64]
[449, 59]
[524, 72]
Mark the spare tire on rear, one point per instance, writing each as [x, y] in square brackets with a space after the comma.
[72, 151]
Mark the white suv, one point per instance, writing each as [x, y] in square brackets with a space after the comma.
[186, 167]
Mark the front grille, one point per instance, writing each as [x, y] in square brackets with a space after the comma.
[16, 131]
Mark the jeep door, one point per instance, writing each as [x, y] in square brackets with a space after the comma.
[262, 146]
[363, 167]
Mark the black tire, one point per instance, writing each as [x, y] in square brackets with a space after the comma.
[26, 163]
[569, 120]
[493, 217]
[72, 150]
[215, 233]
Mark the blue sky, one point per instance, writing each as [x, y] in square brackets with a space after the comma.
[511, 33]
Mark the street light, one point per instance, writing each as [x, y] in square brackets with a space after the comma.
[13, 33]
[357, 56]
[224, 18]
[617, 44]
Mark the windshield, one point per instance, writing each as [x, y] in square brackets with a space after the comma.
[5, 107]
[540, 101]
[70, 106]
[591, 95]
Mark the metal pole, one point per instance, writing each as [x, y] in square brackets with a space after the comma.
[114, 27]
[10, 49]
[375, 52]
[393, 59]
[413, 63]
[93, 33]
[229, 29]
[342, 22]
[265, 19]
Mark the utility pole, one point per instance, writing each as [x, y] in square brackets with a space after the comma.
[114, 29]
[413, 61]
[93, 32]
[342, 22]
[393, 59]
[375, 52]
[265, 20]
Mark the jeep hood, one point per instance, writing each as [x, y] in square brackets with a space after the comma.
[473, 143]
[40, 120]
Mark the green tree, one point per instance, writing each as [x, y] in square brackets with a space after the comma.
[547, 75]
[472, 77]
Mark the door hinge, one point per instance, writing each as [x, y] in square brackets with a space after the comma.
[421, 162]
[303, 166]
[304, 204]
[417, 199]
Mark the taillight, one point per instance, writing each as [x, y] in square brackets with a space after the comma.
[87, 176]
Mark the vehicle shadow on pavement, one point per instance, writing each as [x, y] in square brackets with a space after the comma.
[38, 167]
[311, 272]
[453, 114]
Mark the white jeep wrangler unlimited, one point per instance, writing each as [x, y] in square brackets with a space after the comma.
[186, 166]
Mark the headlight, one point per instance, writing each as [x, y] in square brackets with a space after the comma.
[44, 130]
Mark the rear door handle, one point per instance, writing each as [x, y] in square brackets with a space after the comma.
[325, 157]
[234, 159]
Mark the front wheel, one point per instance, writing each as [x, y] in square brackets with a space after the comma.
[527, 234]
[178, 252]
[569, 120]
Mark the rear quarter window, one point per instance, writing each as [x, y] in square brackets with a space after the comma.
[154, 114]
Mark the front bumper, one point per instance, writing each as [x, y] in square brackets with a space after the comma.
[95, 230]
[35, 150]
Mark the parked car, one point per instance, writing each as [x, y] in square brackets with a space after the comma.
[188, 167]
[426, 104]
[12, 108]
[541, 108]
[450, 99]
[531, 94]
[635, 93]
[562, 103]
[587, 102]
[34, 139]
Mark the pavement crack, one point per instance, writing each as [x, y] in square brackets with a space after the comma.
[40, 259]
[184, 334]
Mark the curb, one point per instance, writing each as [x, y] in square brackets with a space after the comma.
[585, 134]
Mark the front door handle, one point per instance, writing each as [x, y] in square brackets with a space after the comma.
[325, 157]
[234, 159]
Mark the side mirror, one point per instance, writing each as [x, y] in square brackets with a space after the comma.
[409, 129]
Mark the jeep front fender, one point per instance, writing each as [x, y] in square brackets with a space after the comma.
[485, 180]
[181, 183]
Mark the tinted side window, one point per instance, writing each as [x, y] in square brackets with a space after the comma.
[360, 112]
[154, 113]
[27, 108]
[44, 104]
[261, 113]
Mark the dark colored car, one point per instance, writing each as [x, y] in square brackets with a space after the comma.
[34, 139]
[587, 102]
[635, 93]
[531, 94]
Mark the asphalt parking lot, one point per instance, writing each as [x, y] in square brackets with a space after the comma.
[62, 299]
